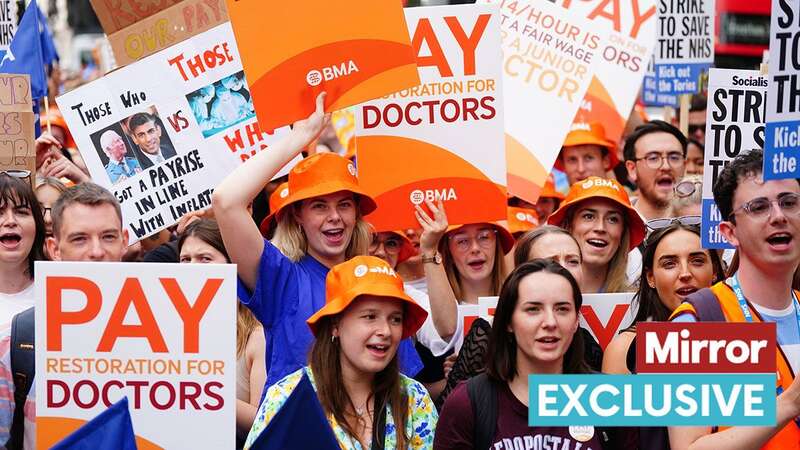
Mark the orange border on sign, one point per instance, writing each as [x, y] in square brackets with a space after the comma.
[381, 160]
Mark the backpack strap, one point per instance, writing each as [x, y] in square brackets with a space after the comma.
[706, 306]
[483, 395]
[23, 370]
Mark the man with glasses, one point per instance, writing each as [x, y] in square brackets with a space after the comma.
[762, 222]
[655, 158]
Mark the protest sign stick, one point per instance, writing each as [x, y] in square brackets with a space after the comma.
[669, 113]
[686, 100]
[47, 114]
[763, 68]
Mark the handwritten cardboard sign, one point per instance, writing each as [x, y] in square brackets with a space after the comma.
[17, 147]
[164, 28]
[115, 15]
[163, 132]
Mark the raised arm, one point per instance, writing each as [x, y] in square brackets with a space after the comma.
[241, 236]
[444, 310]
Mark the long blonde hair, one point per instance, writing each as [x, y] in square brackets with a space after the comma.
[499, 270]
[291, 241]
[246, 322]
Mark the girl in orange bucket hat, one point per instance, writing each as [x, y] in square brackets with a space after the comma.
[319, 225]
[598, 213]
[353, 365]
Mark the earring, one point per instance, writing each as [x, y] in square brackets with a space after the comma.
[333, 339]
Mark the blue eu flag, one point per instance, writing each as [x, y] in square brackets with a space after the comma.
[112, 428]
[300, 424]
[24, 54]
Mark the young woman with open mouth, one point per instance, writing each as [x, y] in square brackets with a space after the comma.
[22, 233]
[534, 332]
[674, 265]
[353, 369]
[598, 213]
[319, 225]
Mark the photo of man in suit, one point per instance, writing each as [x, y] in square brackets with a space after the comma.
[146, 134]
[120, 166]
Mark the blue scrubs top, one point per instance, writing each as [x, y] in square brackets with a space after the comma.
[286, 294]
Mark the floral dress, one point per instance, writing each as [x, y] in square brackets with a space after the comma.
[420, 427]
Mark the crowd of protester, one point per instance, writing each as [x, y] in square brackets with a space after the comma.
[386, 350]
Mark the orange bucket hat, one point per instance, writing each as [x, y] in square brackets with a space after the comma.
[596, 187]
[57, 120]
[521, 220]
[323, 174]
[506, 239]
[366, 275]
[549, 189]
[582, 133]
[276, 200]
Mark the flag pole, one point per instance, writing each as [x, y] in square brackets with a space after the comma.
[47, 114]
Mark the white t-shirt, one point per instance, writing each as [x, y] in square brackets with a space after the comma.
[420, 284]
[427, 334]
[13, 304]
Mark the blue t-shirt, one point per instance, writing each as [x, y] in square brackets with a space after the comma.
[286, 294]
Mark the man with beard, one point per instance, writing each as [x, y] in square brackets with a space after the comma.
[655, 155]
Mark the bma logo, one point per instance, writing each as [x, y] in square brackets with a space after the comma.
[284, 193]
[315, 77]
[360, 270]
[599, 182]
[580, 126]
[445, 194]
[386, 270]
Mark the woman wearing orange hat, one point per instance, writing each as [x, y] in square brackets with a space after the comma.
[599, 215]
[319, 225]
[353, 367]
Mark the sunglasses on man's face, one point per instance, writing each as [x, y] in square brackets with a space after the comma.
[687, 221]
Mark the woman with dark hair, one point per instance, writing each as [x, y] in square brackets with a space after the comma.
[534, 332]
[353, 368]
[546, 242]
[21, 242]
[674, 265]
[201, 243]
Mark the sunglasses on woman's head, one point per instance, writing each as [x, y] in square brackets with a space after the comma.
[16, 173]
[687, 221]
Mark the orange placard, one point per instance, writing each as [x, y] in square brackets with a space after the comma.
[442, 140]
[292, 51]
